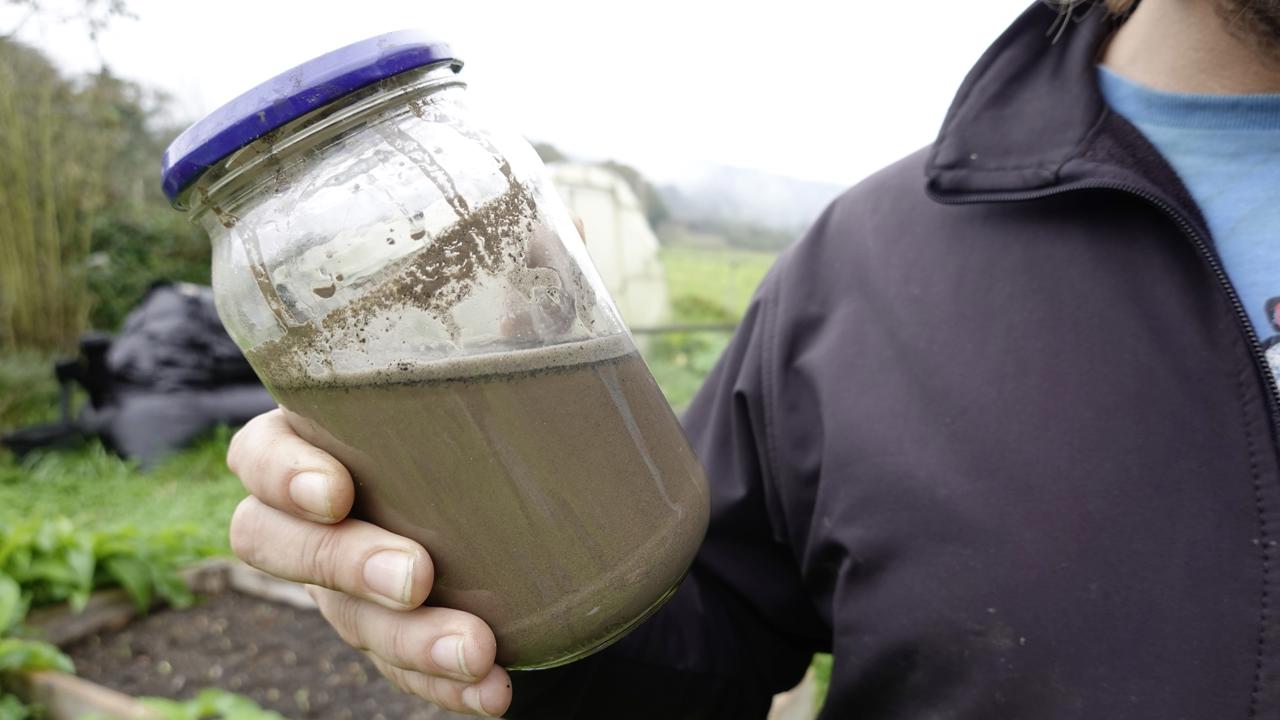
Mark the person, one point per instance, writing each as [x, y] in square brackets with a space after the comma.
[998, 432]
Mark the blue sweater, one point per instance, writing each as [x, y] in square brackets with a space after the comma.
[1226, 150]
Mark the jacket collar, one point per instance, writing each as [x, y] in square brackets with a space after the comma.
[1030, 118]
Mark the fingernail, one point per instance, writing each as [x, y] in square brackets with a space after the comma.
[310, 491]
[390, 574]
[447, 652]
[471, 698]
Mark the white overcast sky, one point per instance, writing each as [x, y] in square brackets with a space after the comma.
[816, 90]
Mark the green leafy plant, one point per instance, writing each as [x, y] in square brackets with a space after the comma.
[211, 704]
[18, 655]
[11, 708]
[148, 565]
[28, 390]
[52, 561]
[48, 561]
[79, 200]
[126, 257]
[13, 606]
[208, 704]
[696, 350]
[681, 360]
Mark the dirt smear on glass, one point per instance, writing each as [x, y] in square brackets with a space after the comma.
[491, 239]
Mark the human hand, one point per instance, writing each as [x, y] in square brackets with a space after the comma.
[369, 583]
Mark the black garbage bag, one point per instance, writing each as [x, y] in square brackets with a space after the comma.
[174, 341]
[170, 375]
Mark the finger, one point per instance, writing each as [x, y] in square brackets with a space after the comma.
[352, 556]
[430, 640]
[289, 473]
[490, 697]
[577, 222]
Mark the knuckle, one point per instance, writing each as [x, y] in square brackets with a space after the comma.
[254, 456]
[233, 452]
[244, 529]
[435, 691]
[348, 621]
[392, 673]
[242, 442]
[261, 472]
[407, 647]
[320, 554]
[294, 457]
[399, 648]
[439, 690]
[397, 677]
[327, 604]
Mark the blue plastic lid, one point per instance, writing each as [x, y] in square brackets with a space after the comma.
[292, 94]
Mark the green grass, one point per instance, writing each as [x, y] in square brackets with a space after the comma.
[706, 286]
[822, 676]
[98, 490]
[28, 390]
[726, 277]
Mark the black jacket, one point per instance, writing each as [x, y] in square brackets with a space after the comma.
[996, 433]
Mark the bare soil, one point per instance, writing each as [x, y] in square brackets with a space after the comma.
[288, 660]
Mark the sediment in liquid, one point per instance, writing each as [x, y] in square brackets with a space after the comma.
[553, 487]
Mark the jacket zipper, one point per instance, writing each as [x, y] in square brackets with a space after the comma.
[1206, 252]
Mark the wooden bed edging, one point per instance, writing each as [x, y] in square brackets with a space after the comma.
[67, 697]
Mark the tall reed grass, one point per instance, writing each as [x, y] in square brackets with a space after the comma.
[54, 173]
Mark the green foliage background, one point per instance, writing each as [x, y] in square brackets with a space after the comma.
[86, 228]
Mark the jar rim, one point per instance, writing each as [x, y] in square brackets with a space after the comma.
[225, 182]
[292, 95]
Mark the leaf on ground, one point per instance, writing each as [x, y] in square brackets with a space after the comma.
[30, 655]
[11, 605]
[11, 708]
[211, 704]
[134, 576]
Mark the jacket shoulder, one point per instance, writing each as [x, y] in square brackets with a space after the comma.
[907, 175]
[879, 210]
[895, 194]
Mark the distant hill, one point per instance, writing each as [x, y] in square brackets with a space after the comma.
[742, 197]
[722, 206]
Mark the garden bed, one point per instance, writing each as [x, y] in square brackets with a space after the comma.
[246, 633]
[286, 659]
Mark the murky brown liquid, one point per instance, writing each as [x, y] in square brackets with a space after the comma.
[553, 487]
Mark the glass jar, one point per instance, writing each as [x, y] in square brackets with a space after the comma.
[409, 287]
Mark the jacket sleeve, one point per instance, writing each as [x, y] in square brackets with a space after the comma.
[741, 627]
